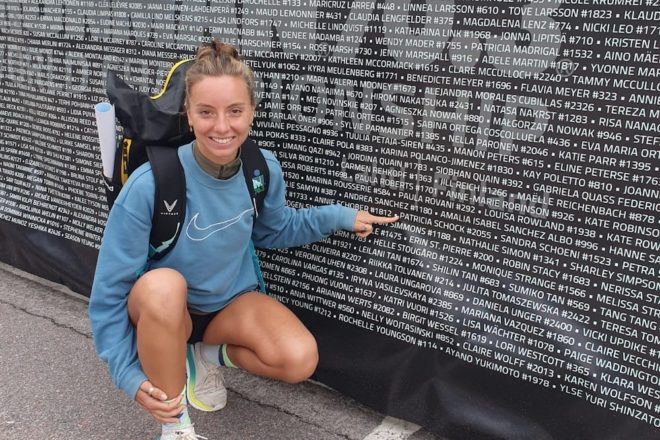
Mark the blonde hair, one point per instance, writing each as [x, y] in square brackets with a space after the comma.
[218, 59]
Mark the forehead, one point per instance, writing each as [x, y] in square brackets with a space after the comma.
[219, 90]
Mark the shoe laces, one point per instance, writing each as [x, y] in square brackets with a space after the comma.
[213, 379]
[188, 434]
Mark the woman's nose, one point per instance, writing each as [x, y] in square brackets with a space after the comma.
[221, 123]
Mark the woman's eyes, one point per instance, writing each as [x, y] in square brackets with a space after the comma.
[209, 113]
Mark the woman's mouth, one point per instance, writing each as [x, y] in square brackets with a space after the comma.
[222, 141]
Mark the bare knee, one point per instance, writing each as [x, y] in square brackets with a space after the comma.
[159, 295]
[299, 359]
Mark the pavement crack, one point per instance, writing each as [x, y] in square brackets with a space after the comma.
[47, 318]
[294, 415]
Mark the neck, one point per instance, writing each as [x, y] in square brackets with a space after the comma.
[223, 172]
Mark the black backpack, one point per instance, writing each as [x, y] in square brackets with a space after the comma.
[154, 127]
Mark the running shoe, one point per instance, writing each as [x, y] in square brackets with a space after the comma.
[206, 386]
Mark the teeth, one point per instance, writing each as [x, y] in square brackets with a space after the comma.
[221, 140]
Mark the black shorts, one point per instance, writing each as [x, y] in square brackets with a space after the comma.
[199, 324]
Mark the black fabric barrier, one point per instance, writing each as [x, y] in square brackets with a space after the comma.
[518, 297]
[448, 396]
[49, 257]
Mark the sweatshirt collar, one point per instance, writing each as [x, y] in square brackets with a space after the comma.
[222, 172]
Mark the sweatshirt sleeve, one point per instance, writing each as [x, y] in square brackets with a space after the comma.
[280, 226]
[122, 257]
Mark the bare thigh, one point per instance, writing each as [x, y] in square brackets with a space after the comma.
[268, 338]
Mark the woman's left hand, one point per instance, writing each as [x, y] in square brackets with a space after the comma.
[364, 223]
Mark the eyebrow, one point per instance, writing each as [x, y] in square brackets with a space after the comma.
[235, 104]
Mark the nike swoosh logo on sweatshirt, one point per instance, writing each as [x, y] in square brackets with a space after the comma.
[201, 233]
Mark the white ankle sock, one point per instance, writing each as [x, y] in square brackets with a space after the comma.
[210, 353]
[184, 418]
[217, 355]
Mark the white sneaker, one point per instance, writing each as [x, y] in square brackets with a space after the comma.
[182, 434]
[206, 386]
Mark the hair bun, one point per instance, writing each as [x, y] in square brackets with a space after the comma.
[217, 49]
[224, 49]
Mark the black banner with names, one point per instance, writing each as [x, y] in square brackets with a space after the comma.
[518, 297]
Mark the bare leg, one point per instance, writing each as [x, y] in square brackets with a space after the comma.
[265, 338]
[157, 309]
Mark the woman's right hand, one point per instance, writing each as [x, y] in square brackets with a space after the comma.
[154, 401]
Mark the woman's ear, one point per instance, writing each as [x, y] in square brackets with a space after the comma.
[185, 110]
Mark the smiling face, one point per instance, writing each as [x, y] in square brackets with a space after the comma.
[220, 111]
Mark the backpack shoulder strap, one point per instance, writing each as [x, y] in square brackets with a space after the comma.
[169, 200]
[255, 171]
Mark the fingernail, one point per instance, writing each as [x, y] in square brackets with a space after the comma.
[180, 415]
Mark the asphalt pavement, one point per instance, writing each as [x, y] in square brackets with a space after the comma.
[54, 386]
